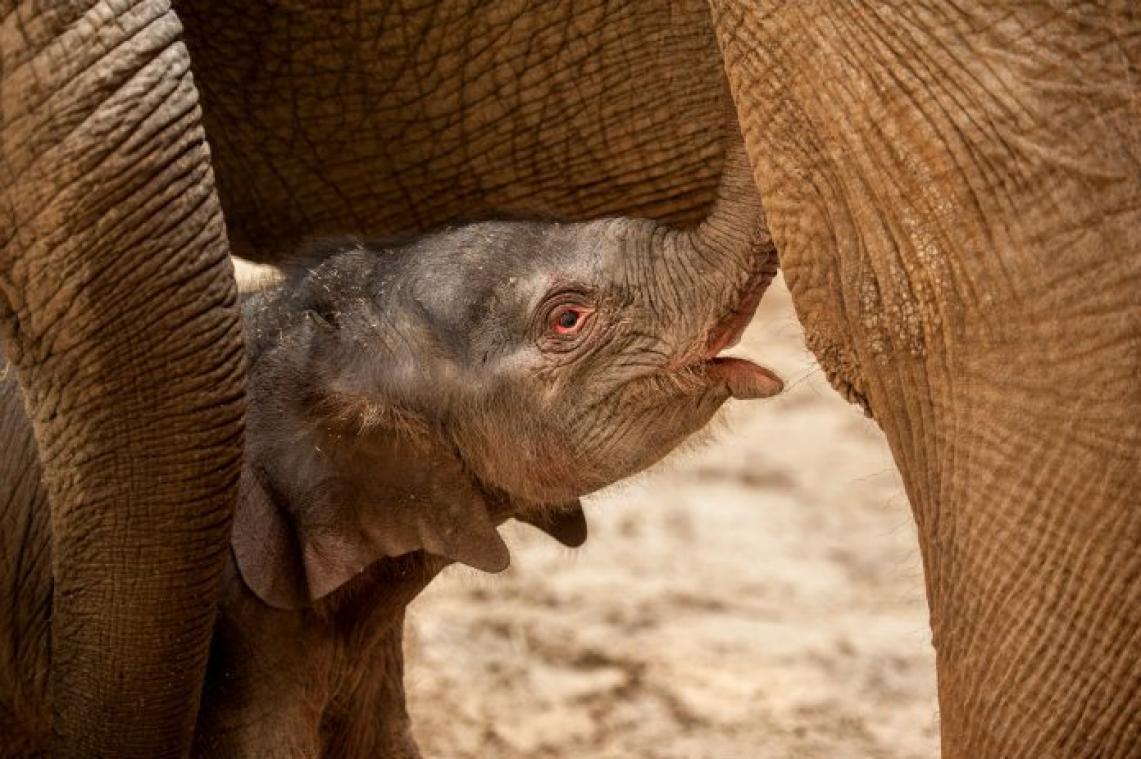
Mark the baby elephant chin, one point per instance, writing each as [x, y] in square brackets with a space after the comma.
[743, 379]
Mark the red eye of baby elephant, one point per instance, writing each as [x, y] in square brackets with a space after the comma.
[568, 320]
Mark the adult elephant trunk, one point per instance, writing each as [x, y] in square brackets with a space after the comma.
[118, 311]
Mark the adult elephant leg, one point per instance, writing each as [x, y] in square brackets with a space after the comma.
[953, 189]
[119, 311]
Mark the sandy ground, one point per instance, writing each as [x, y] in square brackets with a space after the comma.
[759, 596]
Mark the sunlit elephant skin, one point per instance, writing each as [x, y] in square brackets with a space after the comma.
[118, 310]
[954, 192]
[954, 196]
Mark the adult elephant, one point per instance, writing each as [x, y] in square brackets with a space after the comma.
[118, 310]
[955, 191]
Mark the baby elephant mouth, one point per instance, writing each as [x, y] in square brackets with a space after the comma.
[743, 378]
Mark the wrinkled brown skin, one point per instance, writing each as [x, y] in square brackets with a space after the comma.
[118, 311]
[954, 192]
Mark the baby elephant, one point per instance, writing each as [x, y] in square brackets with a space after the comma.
[405, 399]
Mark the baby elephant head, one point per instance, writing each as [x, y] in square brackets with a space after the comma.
[409, 396]
[564, 357]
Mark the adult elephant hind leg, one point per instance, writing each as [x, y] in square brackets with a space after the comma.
[953, 192]
[119, 311]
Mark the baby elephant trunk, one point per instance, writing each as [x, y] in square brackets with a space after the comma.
[713, 275]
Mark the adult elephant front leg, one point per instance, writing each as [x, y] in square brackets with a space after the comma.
[953, 192]
[119, 312]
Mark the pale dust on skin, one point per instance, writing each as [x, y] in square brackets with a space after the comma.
[760, 596]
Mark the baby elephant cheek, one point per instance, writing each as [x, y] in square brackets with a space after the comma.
[526, 460]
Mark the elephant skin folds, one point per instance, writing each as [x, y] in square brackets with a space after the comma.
[118, 312]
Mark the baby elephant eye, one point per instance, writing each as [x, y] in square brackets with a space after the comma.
[568, 320]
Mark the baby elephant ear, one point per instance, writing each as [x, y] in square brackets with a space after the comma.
[304, 528]
[265, 550]
[566, 523]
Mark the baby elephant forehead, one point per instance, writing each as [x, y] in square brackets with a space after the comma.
[467, 271]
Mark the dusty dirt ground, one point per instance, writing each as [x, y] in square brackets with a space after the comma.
[757, 596]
